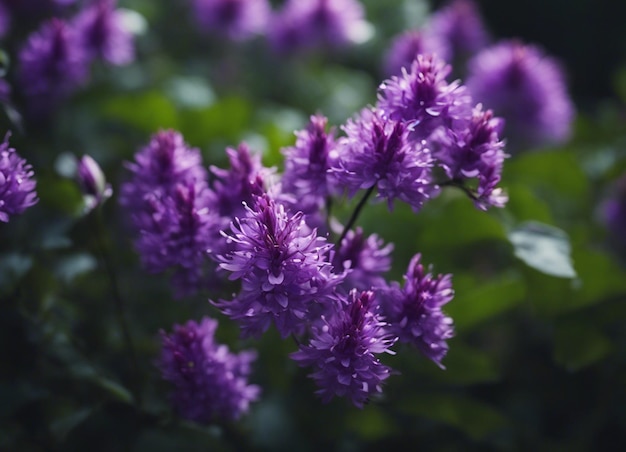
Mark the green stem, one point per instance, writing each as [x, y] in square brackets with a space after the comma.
[355, 214]
[459, 184]
[119, 305]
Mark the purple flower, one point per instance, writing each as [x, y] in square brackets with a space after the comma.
[236, 19]
[283, 268]
[377, 152]
[475, 151]
[526, 87]
[405, 48]
[460, 28]
[414, 311]
[92, 182]
[52, 64]
[306, 166]
[210, 383]
[343, 351]
[103, 33]
[158, 168]
[5, 20]
[423, 98]
[613, 214]
[312, 24]
[17, 185]
[178, 232]
[366, 258]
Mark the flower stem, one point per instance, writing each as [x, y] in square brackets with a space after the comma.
[119, 305]
[459, 184]
[355, 214]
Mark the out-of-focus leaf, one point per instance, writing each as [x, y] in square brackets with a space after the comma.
[69, 267]
[191, 92]
[370, 424]
[475, 303]
[579, 344]
[524, 205]
[60, 194]
[62, 427]
[477, 419]
[599, 277]
[13, 266]
[544, 248]
[148, 112]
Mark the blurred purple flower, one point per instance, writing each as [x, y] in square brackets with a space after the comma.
[475, 151]
[52, 64]
[422, 98]
[613, 214]
[312, 24]
[306, 166]
[376, 151]
[414, 311]
[103, 33]
[460, 28]
[527, 88]
[210, 383]
[92, 182]
[236, 19]
[366, 258]
[17, 184]
[343, 351]
[283, 268]
[5, 20]
[406, 46]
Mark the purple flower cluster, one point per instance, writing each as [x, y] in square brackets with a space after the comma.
[210, 383]
[343, 350]
[17, 185]
[236, 19]
[527, 88]
[54, 61]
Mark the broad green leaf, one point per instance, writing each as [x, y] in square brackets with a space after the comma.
[544, 248]
[148, 112]
[579, 344]
[475, 418]
[475, 303]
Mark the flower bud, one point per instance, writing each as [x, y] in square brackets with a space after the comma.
[92, 182]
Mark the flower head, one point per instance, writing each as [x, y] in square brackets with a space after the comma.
[92, 182]
[406, 46]
[414, 311]
[236, 19]
[52, 64]
[283, 267]
[311, 24]
[17, 185]
[343, 351]
[527, 88]
[103, 33]
[210, 383]
[475, 151]
[306, 165]
[377, 151]
[423, 98]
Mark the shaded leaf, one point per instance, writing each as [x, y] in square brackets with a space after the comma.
[62, 427]
[579, 344]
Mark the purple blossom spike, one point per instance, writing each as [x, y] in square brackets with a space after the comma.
[312, 24]
[210, 383]
[179, 230]
[236, 19]
[158, 168]
[414, 311]
[283, 268]
[52, 64]
[423, 98]
[376, 151]
[343, 351]
[103, 33]
[460, 28]
[527, 88]
[475, 151]
[405, 48]
[17, 185]
[307, 164]
[366, 258]
[92, 182]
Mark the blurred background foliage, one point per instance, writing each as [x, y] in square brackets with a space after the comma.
[539, 358]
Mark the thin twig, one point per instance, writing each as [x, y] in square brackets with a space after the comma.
[355, 214]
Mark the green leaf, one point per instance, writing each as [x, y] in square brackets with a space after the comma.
[476, 302]
[69, 267]
[62, 427]
[13, 266]
[147, 112]
[544, 248]
[473, 417]
[370, 424]
[578, 344]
